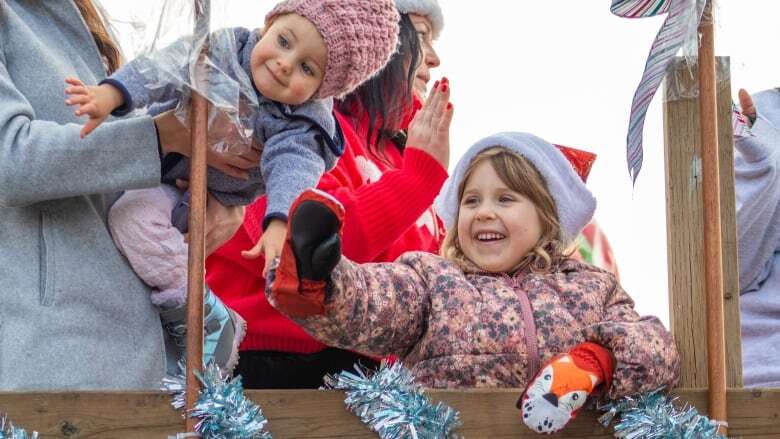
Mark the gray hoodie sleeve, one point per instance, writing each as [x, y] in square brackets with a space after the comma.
[42, 160]
[758, 192]
[299, 148]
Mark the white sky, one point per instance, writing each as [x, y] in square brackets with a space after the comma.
[566, 70]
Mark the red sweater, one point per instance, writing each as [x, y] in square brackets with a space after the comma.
[388, 212]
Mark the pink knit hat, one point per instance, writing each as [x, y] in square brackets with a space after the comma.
[360, 35]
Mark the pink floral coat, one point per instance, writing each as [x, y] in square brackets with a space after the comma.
[465, 328]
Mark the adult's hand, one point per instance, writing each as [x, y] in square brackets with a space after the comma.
[748, 108]
[222, 221]
[234, 161]
[430, 128]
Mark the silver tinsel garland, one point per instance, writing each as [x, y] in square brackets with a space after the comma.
[392, 405]
[8, 431]
[222, 409]
[654, 416]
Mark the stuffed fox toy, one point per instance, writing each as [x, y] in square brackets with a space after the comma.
[560, 389]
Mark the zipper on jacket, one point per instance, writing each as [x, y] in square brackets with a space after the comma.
[45, 272]
[531, 347]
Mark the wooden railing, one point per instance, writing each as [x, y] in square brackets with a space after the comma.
[321, 414]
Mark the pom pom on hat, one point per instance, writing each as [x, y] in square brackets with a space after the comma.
[574, 203]
[426, 8]
[360, 35]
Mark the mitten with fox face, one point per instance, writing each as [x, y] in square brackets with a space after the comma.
[559, 391]
[311, 250]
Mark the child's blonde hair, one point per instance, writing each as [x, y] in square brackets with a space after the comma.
[521, 176]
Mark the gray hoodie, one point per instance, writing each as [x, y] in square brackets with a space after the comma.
[757, 173]
[73, 315]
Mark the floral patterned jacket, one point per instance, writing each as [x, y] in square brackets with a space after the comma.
[466, 328]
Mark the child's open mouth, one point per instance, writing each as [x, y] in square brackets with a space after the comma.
[489, 236]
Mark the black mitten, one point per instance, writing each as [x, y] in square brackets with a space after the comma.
[314, 230]
[311, 251]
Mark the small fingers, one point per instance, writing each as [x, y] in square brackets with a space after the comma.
[77, 90]
[73, 81]
[254, 252]
[78, 99]
[89, 127]
[89, 109]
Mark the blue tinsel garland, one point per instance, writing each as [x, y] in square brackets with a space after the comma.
[222, 409]
[654, 416]
[8, 431]
[392, 405]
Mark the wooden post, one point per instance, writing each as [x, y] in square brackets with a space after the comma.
[197, 215]
[685, 224]
[691, 204]
[713, 266]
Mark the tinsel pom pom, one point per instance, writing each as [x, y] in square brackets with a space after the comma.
[392, 405]
[8, 431]
[653, 415]
[222, 409]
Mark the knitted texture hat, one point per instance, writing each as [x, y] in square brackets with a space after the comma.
[426, 8]
[573, 201]
[360, 36]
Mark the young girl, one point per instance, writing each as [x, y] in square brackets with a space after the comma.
[502, 307]
[309, 52]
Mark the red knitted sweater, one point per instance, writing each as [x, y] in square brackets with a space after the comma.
[388, 212]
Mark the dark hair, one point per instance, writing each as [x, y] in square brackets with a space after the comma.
[387, 96]
[106, 46]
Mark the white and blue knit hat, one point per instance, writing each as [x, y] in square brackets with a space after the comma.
[426, 8]
[563, 182]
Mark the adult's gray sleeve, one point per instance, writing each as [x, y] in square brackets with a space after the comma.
[43, 160]
[757, 180]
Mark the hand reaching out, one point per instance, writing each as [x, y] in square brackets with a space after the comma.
[748, 108]
[430, 128]
[270, 244]
[95, 101]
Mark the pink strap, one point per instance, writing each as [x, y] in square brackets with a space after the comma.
[530, 327]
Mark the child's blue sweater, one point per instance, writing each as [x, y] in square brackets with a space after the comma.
[300, 142]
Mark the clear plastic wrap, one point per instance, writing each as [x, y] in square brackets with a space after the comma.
[164, 47]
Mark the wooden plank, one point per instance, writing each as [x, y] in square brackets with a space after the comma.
[321, 414]
[685, 226]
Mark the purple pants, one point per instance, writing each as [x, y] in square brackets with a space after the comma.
[140, 222]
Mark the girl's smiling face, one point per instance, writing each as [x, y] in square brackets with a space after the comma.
[497, 226]
[289, 62]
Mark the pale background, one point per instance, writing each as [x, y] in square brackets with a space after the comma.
[565, 70]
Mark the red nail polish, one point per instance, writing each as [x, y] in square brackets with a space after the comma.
[444, 79]
[444, 87]
[449, 105]
[435, 84]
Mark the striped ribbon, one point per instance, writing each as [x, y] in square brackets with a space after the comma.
[673, 33]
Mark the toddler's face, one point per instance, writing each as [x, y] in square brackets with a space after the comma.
[497, 226]
[289, 62]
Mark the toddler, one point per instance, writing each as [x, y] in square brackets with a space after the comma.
[504, 306]
[309, 52]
